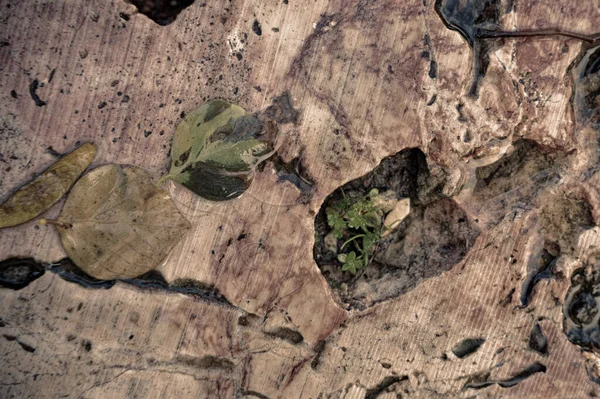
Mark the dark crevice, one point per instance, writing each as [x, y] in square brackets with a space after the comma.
[68, 271]
[580, 309]
[287, 334]
[293, 172]
[33, 86]
[319, 348]
[467, 346]
[257, 28]
[467, 18]
[27, 348]
[17, 273]
[537, 340]
[539, 268]
[163, 12]
[206, 362]
[255, 394]
[477, 21]
[431, 56]
[532, 369]
[386, 383]
[586, 91]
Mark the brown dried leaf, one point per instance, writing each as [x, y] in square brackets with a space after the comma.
[47, 189]
[117, 224]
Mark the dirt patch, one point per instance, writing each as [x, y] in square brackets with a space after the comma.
[433, 237]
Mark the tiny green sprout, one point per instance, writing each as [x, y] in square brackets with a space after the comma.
[336, 222]
[358, 224]
[350, 262]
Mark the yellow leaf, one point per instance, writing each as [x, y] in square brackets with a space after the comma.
[117, 224]
[39, 195]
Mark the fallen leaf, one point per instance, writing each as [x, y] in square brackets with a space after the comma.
[47, 189]
[216, 149]
[117, 224]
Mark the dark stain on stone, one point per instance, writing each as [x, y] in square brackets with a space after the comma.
[432, 62]
[461, 115]
[467, 346]
[563, 218]
[17, 273]
[27, 348]
[68, 271]
[319, 348]
[532, 369]
[508, 298]
[282, 110]
[309, 45]
[287, 334]
[537, 340]
[539, 267]
[154, 280]
[248, 320]
[383, 385]
[86, 345]
[513, 181]
[257, 28]
[206, 362]
[293, 172]
[432, 100]
[53, 152]
[163, 12]
[33, 86]
[255, 394]
[467, 18]
[14, 94]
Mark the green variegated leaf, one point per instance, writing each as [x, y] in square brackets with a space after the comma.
[216, 149]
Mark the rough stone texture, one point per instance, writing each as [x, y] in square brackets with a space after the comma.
[360, 74]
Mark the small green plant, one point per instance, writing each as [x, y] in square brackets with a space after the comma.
[358, 224]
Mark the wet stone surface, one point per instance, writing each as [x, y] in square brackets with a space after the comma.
[581, 316]
[468, 18]
[586, 76]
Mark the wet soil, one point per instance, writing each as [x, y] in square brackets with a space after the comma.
[434, 237]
